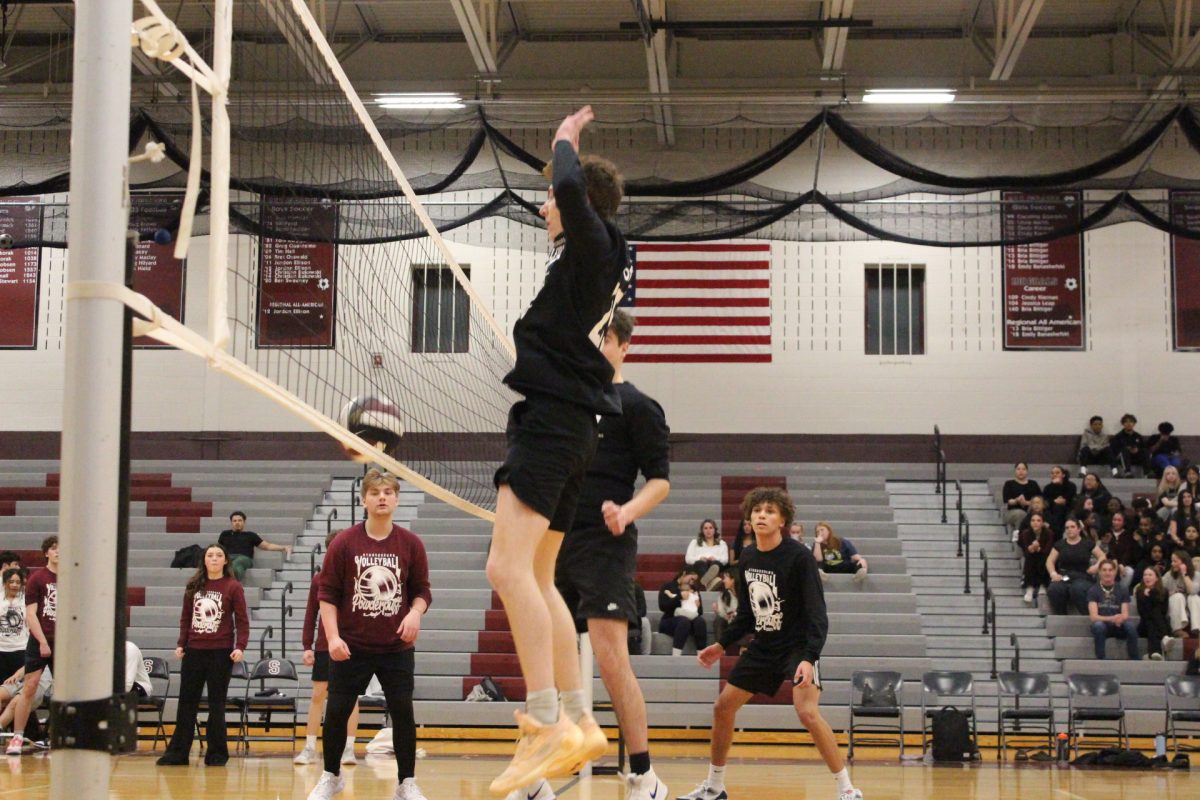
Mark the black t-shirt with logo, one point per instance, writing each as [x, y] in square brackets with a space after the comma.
[635, 441]
[780, 601]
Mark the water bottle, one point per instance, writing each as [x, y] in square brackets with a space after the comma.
[1160, 746]
[1064, 748]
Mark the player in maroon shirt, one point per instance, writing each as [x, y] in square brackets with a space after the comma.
[210, 643]
[316, 655]
[41, 613]
[374, 587]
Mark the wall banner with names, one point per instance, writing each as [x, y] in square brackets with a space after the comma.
[157, 273]
[20, 273]
[297, 279]
[1185, 273]
[1043, 282]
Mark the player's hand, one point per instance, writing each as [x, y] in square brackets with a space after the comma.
[310, 658]
[179, 652]
[338, 649]
[410, 626]
[236, 656]
[710, 655]
[570, 128]
[616, 517]
[804, 674]
[44, 649]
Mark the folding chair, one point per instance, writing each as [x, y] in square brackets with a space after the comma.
[939, 685]
[1186, 719]
[158, 670]
[272, 669]
[373, 702]
[1028, 724]
[876, 709]
[1094, 687]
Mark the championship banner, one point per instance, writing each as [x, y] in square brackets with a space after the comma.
[1185, 273]
[20, 273]
[157, 273]
[1043, 282]
[296, 277]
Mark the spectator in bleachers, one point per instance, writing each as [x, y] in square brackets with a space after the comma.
[1148, 529]
[680, 603]
[1071, 570]
[1185, 515]
[835, 555]
[1037, 505]
[10, 560]
[1165, 449]
[137, 677]
[12, 688]
[1093, 489]
[744, 537]
[1035, 541]
[316, 655]
[726, 605]
[796, 531]
[639, 629]
[1115, 506]
[1017, 494]
[1191, 479]
[1154, 559]
[1108, 609]
[1183, 596]
[14, 634]
[41, 614]
[1094, 445]
[1151, 600]
[1128, 448]
[1060, 497]
[707, 553]
[213, 632]
[1191, 542]
[1169, 487]
[240, 544]
[1124, 549]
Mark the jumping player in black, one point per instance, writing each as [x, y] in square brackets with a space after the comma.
[780, 601]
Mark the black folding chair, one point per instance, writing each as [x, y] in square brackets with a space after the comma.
[880, 698]
[1031, 723]
[159, 670]
[268, 705]
[1107, 720]
[1183, 709]
[940, 685]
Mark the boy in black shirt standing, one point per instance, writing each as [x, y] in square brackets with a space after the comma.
[567, 386]
[781, 602]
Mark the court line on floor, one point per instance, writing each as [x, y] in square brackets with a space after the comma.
[1070, 795]
[25, 789]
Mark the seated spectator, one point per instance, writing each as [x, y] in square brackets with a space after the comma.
[1191, 479]
[1108, 609]
[9, 560]
[1114, 506]
[1017, 494]
[1037, 505]
[1069, 565]
[1148, 528]
[1060, 497]
[1185, 515]
[1164, 449]
[1124, 549]
[1035, 541]
[680, 603]
[12, 688]
[1151, 600]
[1169, 487]
[137, 677]
[1094, 445]
[1191, 543]
[639, 629]
[707, 553]
[240, 544]
[1093, 489]
[1128, 449]
[726, 605]
[744, 538]
[835, 555]
[1155, 559]
[14, 635]
[1183, 596]
[796, 531]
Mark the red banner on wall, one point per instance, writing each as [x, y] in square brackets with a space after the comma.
[296, 277]
[1043, 282]
[20, 273]
[157, 273]
[1185, 272]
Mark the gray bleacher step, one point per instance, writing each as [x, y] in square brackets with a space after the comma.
[691, 518]
[976, 516]
[927, 488]
[974, 502]
[1080, 647]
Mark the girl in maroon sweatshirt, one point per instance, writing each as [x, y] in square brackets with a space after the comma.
[213, 630]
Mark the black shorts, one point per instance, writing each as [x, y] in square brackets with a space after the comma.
[594, 575]
[33, 656]
[394, 670]
[320, 670]
[550, 446]
[763, 673]
[10, 662]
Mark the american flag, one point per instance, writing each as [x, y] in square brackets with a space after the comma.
[701, 303]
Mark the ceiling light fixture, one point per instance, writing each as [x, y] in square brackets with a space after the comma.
[422, 101]
[909, 96]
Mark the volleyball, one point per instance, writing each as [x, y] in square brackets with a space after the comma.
[375, 419]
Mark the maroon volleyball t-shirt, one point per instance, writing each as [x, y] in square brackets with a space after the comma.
[42, 589]
[373, 583]
[312, 619]
[216, 618]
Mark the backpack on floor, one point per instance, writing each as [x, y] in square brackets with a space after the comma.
[952, 736]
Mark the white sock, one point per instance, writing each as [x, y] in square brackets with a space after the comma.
[311, 741]
[716, 776]
[675, 651]
[542, 705]
[572, 704]
[409, 781]
[349, 748]
[843, 780]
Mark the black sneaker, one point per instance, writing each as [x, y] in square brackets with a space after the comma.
[705, 792]
[172, 760]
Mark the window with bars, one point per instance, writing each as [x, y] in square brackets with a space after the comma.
[895, 318]
[441, 318]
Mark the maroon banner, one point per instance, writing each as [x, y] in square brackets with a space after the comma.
[1185, 272]
[296, 277]
[1043, 283]
[157, 273]
[20, 273]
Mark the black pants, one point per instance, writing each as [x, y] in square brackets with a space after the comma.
[680, 628]
[1154, 628]
[847, 567]
[1126, 460]
[349, 679]
[1069, 594]
[200, 668]
[1103, 456]
[1034, 572]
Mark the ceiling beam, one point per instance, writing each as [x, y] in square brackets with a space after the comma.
[1185, 46]
[656, 69]
[1013, 25]
[479, 28]
[833, 41]
[301, 49]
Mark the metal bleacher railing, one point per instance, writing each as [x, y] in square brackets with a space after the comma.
[939, 479]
